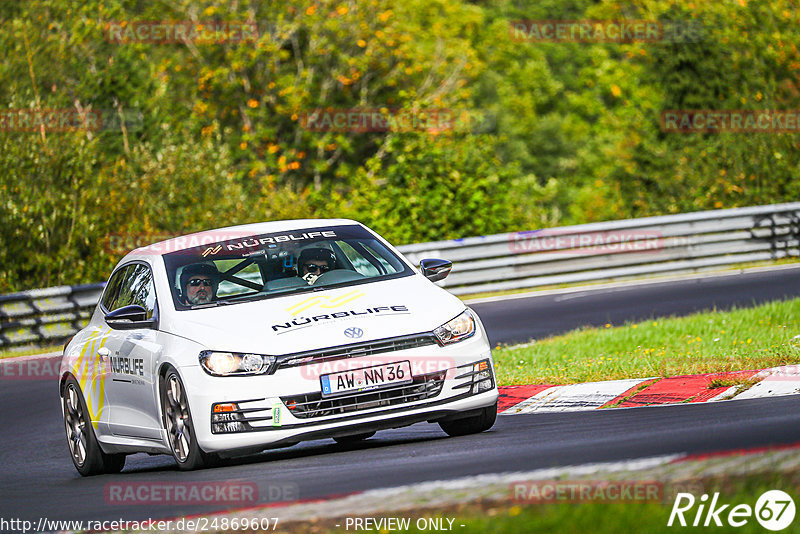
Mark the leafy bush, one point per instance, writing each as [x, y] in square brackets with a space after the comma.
[555, 133]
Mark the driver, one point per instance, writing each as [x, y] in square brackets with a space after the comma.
[199, 283]
[314, 262]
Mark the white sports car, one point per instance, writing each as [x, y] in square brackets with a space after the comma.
[246, 338]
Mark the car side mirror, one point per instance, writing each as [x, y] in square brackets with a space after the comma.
[129, 318]
[435, 270]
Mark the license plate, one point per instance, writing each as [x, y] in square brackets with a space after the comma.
[366, 379]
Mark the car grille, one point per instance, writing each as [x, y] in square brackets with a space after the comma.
[356, 350]
[312, 405]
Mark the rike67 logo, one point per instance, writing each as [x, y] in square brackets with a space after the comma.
[774, 510]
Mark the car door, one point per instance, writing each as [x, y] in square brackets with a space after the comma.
[132, 355]
[89, 360]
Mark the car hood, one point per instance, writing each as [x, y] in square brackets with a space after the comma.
[307, 321]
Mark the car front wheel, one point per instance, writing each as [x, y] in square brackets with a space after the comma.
[471, 425]
[87, 456]
[179, 426]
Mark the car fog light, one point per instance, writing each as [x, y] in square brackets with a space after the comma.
[482, 380]
[226, 419]
[226, 428]
[484, 385]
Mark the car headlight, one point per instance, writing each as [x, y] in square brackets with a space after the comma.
[455, 330]
[235, 363]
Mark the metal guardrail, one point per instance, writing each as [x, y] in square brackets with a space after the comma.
[614, 250]
[44, 316]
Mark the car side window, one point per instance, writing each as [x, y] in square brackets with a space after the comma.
[112, 288]
[145, 296]
[135, 287]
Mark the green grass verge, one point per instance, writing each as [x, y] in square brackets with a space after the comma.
[30, 351]
[625, 516]
[749, 338]
[596, 517]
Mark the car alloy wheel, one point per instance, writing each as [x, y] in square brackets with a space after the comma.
[87, 456]
[179, 426]
[75, 423]
[178, 420]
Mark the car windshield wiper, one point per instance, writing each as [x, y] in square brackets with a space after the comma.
[245, 298]
[213, 304]
[288, 290]
[303, 289]
[260, 296]
[225, 302]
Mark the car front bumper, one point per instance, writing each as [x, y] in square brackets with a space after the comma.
[268, 410]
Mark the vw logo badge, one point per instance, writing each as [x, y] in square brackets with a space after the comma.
[354, 332]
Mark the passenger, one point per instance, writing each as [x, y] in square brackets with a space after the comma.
[314, 262]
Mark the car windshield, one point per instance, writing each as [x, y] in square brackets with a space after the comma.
[270, 265]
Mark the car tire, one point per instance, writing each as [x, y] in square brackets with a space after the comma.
[354, 438]
[179, 425]
[87, 456]
[471, 425]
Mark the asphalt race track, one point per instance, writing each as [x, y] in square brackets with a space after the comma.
[38, 480]
[520, 319]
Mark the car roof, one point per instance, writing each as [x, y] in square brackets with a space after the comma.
[230, 232]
